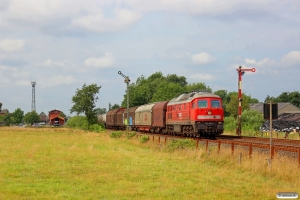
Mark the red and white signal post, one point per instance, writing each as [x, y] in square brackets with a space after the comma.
[241, 73]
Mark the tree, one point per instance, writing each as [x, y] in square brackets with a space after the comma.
[84, 102]
[196, 86]
[18, 115]
[270, 99]
[167, 91]
[7, 119]
[31, 118]
[232, 105]
[62, 114]
[158, 88]
[291, 97]
[115, 106]
[222, 94]
[100, 111]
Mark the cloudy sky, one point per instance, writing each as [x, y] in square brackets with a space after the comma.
[62, 44]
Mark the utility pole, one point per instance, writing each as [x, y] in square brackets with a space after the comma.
[127, 81]
[33, 83]
[240, 74]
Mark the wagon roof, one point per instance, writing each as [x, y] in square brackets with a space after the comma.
[143, 108]
[160, 105]
[114, 111]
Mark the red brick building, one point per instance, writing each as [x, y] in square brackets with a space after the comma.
[55, 118]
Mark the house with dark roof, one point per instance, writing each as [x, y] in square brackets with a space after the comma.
[43, 117]
[3, 112]
[285, 107]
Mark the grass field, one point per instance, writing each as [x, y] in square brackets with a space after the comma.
[61, 163]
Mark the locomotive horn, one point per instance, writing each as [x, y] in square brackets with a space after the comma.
[119, 72]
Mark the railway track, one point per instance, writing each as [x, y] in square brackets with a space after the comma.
[279, 146]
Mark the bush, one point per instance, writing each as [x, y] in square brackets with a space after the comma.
[144, 139]
[182, 144]
[130, 134]
[230, 124]
[78, 122]
[116, 134]
[96, 128]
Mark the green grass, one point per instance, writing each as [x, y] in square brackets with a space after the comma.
[73, 164]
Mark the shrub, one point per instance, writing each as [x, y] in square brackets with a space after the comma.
[144, 139]
[130, 134]
[78, 122]
[116, 134]
[182, 144]
[96, 128]
[230, 124]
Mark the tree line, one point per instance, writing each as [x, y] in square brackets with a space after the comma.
[17, 117]
[158, 87]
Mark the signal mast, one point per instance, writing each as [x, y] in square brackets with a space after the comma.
[241, 72]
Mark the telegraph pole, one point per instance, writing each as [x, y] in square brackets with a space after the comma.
[127, 81]
[240, 74]
[33, 83]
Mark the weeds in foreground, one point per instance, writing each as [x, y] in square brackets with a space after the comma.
[181, 144]
[116, 134]
[144, 139]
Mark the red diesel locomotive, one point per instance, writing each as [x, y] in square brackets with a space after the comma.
[194, 114]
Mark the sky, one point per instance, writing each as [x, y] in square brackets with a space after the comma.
[63, 44]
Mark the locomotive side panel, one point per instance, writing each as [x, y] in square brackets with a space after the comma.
[178, 113]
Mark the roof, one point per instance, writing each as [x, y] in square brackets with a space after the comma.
[4, 111]
[260, 106]
[60, 117]
[54, 110]
[42, 114]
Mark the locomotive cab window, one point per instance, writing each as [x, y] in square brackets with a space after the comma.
[202, 103]
[215, 104]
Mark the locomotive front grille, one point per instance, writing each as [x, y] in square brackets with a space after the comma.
[209, 126]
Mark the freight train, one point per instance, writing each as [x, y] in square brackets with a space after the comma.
[193, 114]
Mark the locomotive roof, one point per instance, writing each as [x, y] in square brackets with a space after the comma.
[188, 97]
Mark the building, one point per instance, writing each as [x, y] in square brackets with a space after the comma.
[43, 118]
[55, 118]
[3, 112]
[285, 107]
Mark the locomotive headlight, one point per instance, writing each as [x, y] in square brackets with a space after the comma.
[209, 112]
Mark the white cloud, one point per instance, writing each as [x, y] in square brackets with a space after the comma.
[202, 58]
[51, 63]
[249, 61]
[105, 61]
[11, 45]
[99, 23]
[291, 58]
[23, 83]
[60, 80]
[202, 77]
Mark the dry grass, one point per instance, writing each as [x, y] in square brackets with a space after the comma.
[73, 164]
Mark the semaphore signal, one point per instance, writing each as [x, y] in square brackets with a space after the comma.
[241, 71]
